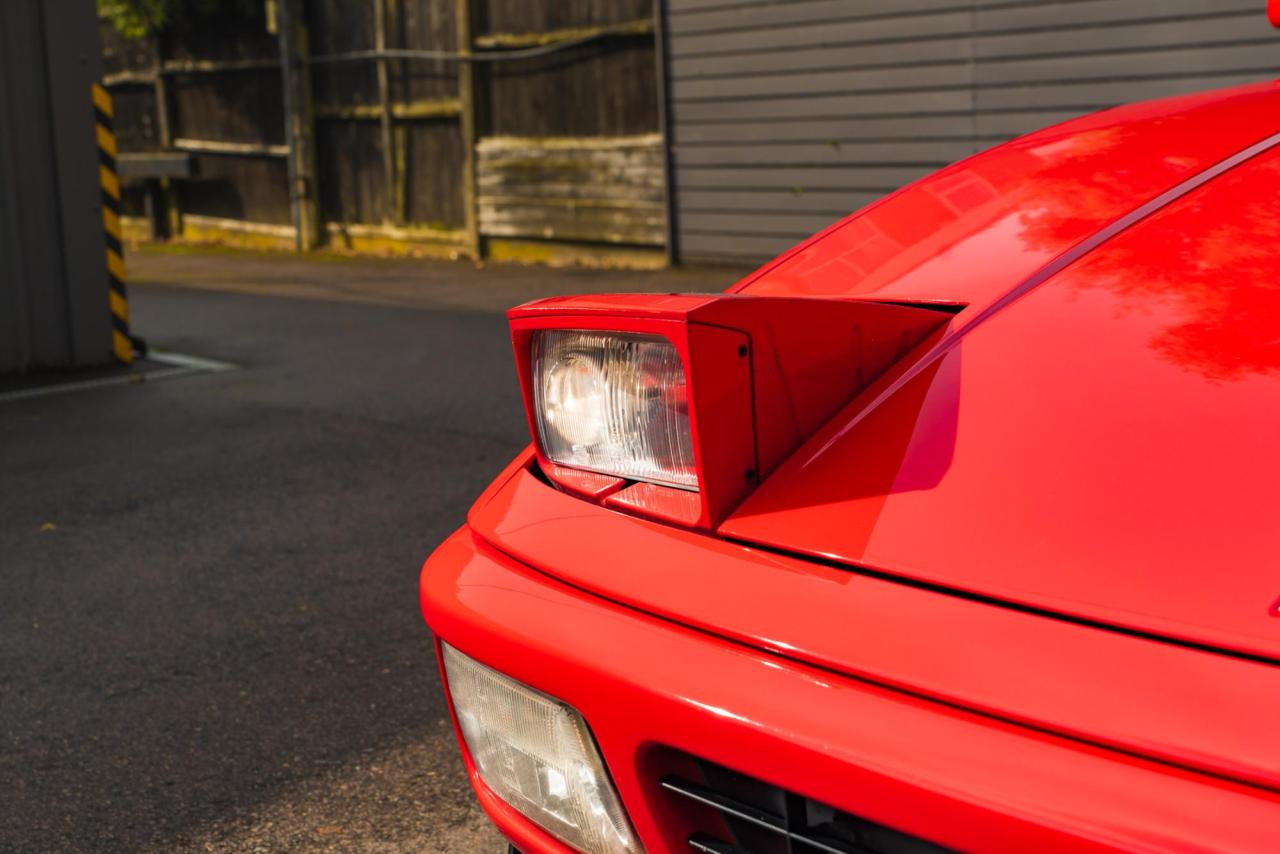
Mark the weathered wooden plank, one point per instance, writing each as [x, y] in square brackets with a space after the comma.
[248, 188]
[427, 108]
[634, 190]
[434, 157]
[246, 107]
[218, 146]
[520, 175]
[429, 25]
[605, 88]
[350, 172]
[592, 224]
[524, 16]
[600, 190]
[625, 203]
[510, 41]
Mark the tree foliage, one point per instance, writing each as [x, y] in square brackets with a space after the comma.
[137, 19]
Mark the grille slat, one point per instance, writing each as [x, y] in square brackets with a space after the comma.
[764, 819]
[706, 845]
[727, 805]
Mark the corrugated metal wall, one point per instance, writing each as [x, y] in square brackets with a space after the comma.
[785, 116]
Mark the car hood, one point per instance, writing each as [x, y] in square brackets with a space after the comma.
[1097, 441]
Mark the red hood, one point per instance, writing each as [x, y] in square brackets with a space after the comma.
[1106, 445]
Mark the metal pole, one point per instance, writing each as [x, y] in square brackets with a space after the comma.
[664, 127]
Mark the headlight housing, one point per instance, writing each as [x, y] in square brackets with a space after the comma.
[615, 403]
[537, 754]
[675, 406]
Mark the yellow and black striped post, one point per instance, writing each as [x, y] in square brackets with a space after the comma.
[122, 343]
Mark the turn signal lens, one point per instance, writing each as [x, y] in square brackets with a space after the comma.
[615, 403]
[536, 754]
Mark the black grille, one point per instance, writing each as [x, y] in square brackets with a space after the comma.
[763, 819]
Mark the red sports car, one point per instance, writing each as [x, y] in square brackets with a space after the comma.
[955, 527]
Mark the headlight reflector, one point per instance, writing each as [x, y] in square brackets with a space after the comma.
[615, 403]
[537, 754]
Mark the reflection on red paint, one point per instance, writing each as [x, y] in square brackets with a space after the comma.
[1114, 451]
[1212, 269]
[974, 230]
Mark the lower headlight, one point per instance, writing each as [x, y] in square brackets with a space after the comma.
[537, 754]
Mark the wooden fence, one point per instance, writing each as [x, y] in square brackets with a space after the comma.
[499, 128]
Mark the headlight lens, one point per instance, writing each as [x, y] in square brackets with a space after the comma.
[615, 403]
[537, 754]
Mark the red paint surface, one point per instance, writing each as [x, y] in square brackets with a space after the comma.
[1151, 698]
[963, 780]
[1092, 464]
[1104, 447]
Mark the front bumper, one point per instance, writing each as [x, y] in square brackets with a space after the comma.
[653, 690]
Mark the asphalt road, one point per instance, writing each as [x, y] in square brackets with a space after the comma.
[209, 628]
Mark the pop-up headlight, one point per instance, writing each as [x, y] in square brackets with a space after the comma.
[614, 403]
[675, 406]
[537, 754]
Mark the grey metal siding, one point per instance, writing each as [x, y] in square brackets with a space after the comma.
[785, 116]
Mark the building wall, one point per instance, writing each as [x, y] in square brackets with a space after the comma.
[53, 278]
[785, 116]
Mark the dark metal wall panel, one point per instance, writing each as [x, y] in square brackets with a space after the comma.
[784, 116]
[53, 278]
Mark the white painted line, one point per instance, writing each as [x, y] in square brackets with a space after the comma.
[182, 366]
[199, 363]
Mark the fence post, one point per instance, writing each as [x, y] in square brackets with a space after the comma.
[391, 209]
[467, 122]
[299, 125]
[171, 213]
